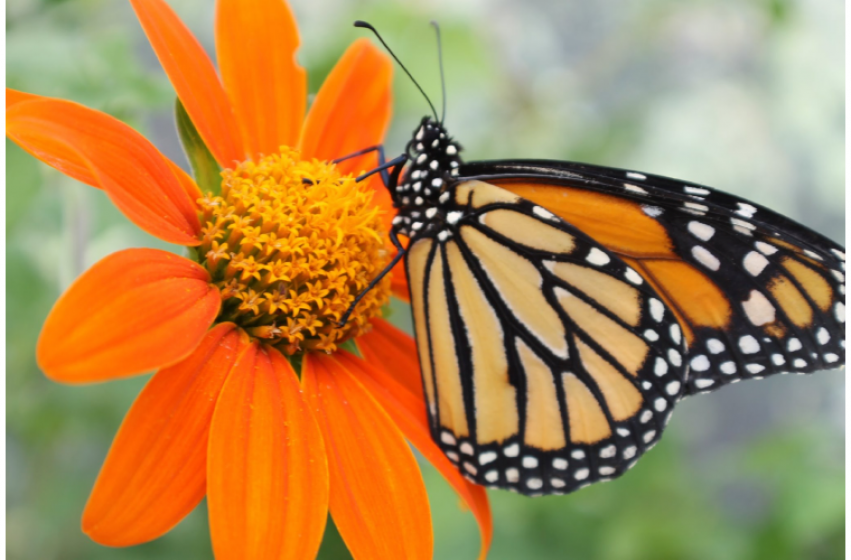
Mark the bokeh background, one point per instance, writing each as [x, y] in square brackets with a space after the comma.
[743, 95]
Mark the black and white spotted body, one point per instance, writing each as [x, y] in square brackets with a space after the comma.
[422, 196]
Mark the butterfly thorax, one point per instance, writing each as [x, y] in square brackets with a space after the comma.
[424, 190]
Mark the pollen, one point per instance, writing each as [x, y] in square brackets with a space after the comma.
[290, 243]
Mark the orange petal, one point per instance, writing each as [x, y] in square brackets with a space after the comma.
[378, 499]
[352, 109]
[190, 187]
[102, 151]
[133, 311]
[409, 413]
[156, 470]
[13, 97]
[256, 43]
[396, 350]
[267, 468]
[194, 79]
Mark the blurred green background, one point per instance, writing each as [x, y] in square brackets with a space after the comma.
[746, 96]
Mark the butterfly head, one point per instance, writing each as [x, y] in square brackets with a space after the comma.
[435, 160]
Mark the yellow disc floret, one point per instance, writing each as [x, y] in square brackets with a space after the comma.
[290, 243]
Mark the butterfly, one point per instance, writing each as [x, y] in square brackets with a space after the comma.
[562, 309]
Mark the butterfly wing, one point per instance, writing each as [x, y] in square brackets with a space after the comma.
[756, 293]
[548, 362]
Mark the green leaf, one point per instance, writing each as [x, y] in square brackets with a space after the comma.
[204, 166]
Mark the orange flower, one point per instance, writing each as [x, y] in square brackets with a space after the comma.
[278, 251]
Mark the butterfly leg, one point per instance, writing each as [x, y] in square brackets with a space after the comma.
[382, 164]
[395, 163]
[399, 254]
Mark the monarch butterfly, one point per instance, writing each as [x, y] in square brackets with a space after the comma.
[562, 309]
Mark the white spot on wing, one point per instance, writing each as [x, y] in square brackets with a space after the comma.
[534, 483]
[657, 309]
[675, 357]
[758, 309]
[487, 457]
[746, 210]
[700, 230]
[597, 257]
[700, 363]
[652, 211]
[673, 388]
[754, 263]
[676, 333]
[696, 191]
[748, 344]
[633, 188]
[765, 248]
[633, 276]
[728, 368]
[530, 462]
[714, 346]
[704, 257]
[546, 214]
[636, 175]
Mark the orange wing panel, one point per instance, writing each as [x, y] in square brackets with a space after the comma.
[634, 233]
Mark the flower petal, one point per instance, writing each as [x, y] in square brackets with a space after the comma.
[267, 468]
[156, 470]
[100, 150]
[13, 97]
[378, 499]
[408, 413]
[352, 109]
[256, 43]
[133, 311]
[194, 79]
[396, 351]
[186, 182]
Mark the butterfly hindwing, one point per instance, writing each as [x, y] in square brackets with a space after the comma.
[756, 293]
[548, 362]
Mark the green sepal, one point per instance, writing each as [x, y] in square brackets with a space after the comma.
[206, 169]
[350, 347]
[297, 361]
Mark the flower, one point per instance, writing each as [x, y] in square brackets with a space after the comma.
[278, 249]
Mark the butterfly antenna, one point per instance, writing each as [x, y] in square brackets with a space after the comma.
[365, 25]
[442, 79]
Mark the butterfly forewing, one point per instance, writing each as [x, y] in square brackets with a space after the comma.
[548, 362]
[756, 293]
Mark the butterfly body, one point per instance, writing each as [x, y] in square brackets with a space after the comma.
[561, 310]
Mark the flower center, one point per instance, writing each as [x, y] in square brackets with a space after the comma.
[290, 243]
